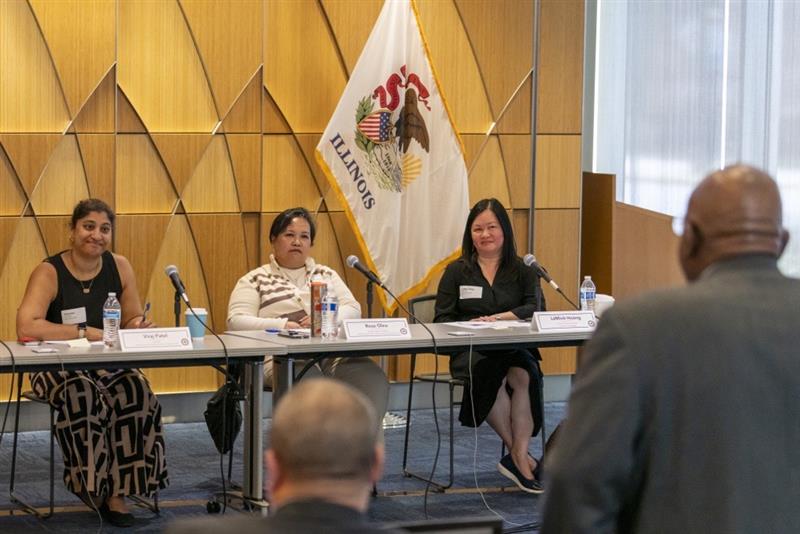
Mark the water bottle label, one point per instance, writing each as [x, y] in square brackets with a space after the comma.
[112, 314]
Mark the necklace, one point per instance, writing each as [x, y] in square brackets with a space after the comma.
[86, 289]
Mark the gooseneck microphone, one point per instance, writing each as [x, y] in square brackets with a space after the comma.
[172, 272]
[530, 261]
[352, 261]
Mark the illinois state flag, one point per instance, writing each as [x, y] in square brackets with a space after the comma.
[393, 157]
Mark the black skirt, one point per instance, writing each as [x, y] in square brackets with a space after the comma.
[489, 368]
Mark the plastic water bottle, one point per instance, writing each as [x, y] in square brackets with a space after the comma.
[112, 315]
[588, 294]
[330, 315]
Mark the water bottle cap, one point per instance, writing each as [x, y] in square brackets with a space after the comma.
[112, 294]
[587, 277]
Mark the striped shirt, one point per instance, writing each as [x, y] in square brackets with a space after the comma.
[267, 297]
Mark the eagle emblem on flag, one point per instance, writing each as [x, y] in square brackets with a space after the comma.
[385, 134]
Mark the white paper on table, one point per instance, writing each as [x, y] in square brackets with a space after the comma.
[473, 325]
[516, 323]
[497, 325]
[71, 343]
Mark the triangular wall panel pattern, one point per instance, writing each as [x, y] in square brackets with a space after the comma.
[197, 121]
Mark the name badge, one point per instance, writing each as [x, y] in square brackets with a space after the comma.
[73, 316]
[376, 329]
[577, 321]
[150, 339]
[470, 292]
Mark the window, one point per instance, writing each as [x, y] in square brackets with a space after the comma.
[682, 88]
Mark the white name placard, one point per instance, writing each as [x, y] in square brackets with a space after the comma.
[566, 321]
[376, 329]
[147, 339]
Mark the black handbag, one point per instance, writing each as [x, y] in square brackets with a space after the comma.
[224, 416]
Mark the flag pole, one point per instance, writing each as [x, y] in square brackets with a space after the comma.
[534, 93]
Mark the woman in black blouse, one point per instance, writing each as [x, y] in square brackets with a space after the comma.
[108, 420]
[489, 282]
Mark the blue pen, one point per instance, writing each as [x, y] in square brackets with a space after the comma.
[272, 330]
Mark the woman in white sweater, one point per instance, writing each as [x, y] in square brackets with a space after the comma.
[278, 295]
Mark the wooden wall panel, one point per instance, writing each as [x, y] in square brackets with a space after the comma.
[212, 187]
[27, 252]
[557, 232]
[143, 185]
[28, 155]
[55, 231]
[501, 53]
[245, 114]
[81, 38]
[350, 38]
[63, 182]
[516, 151]
[178, 248]
[286, 180]
[215, 108]
[12, 196]
[308, 145]
[160, 69]
[228, 36]
[272, 119]
[560, 67]
[252, 239]
[31, 99]
[180, 154]
[98, 154]
[97, 113]
[487, 177]
[246, 159]
[558, 171]
[454, 61]
[221, 248]
[139, 238]
[305, 86]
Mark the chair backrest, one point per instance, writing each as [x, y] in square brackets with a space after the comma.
[477, 525]
[422, 308]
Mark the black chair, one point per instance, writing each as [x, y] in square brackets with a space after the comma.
[15, 498]
[422, 310]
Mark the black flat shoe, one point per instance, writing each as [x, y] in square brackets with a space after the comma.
[118, 519]
[510, 471]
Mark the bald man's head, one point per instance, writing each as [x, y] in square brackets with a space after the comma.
[732, 212]
[325, 429]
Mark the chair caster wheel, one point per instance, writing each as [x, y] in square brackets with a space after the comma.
[213, 507]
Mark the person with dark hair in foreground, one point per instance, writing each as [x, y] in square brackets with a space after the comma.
[324, 457]
[489, 282]
[685, 416]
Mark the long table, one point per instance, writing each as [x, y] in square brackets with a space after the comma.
[422, 340]
[208, 352]
[250, 347]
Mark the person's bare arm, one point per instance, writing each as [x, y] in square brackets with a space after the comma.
[40, 292]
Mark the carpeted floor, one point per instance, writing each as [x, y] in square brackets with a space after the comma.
[194, 469]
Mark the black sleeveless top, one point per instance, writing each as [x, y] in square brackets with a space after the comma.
[70, 291]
